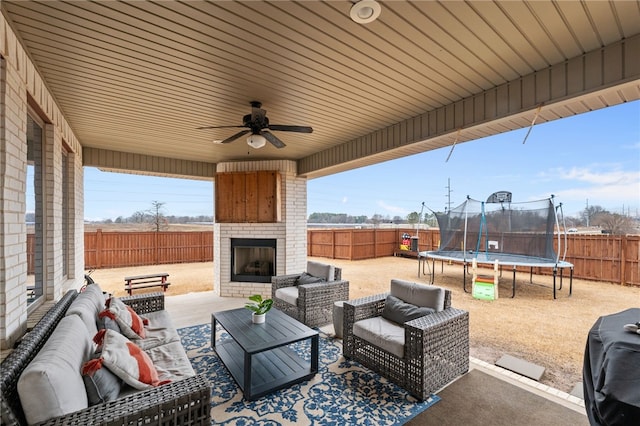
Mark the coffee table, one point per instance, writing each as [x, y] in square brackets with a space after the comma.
[259, 356]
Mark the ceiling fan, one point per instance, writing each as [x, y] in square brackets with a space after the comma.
[257, 124]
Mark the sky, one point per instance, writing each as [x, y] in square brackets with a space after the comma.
[590, 159]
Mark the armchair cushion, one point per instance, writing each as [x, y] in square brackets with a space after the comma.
[306, 278]
[288, 294]
[419, 294]
[382, 333]
[400, 312]
[321, 270]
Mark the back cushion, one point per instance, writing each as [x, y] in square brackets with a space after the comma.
[400, 312]
[87, 306]
[321, 270]
[418, 294]
[51, 385]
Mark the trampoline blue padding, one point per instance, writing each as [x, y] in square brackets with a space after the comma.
[504, 259]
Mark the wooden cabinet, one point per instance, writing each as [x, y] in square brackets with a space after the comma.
[248, 197]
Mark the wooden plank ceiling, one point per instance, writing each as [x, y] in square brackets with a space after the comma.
[140, 77]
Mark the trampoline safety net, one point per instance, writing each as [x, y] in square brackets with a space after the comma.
[483, 230]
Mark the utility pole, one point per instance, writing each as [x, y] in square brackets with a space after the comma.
[587, 211]
[448, 188]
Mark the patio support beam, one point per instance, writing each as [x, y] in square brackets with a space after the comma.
[127, 162]
[576, 85]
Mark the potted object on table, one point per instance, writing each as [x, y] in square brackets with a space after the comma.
[259, 307]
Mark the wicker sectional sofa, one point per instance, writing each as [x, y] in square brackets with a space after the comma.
[182, 398]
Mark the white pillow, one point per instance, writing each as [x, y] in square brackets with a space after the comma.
[125, 359]
[131, 324]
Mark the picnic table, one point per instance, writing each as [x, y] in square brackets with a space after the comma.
[146, 281]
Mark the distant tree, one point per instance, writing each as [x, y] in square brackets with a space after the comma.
[590, 213]
[376, 219]
[413, 218]
[138, 217]
[360, 219]
[430, 220]
[614, 223]
[157, 218]
[335, 218]
[119, 219]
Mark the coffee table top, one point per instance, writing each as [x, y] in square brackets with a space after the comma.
[278, 329]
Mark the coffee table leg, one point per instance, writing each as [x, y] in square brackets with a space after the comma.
[213, 331]
[247, 376]
[314, 354]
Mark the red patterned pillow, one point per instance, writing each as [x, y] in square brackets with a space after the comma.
[124, 359]
[131, 324]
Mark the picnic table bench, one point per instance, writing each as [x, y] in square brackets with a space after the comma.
[146, 281]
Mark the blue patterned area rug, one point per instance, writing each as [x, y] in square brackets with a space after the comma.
[342, 393]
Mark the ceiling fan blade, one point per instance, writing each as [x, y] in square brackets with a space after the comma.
[285, 128]
[236, 136]
[273, 139]
[219, 127]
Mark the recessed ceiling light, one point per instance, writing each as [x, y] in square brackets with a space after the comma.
[365, 11]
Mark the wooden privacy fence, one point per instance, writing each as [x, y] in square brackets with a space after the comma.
[121, 249]
[610, 258]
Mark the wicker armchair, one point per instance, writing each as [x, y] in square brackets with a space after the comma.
[436, 346]
[311, 304]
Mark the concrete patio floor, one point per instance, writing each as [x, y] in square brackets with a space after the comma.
[196, 308]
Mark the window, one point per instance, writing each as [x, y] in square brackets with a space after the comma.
[66, 235]
[34, 216]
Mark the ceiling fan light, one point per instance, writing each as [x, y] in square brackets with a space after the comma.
[256, 141]
[365, 11]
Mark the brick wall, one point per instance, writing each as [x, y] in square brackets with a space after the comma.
[13, 234]
[21, 86]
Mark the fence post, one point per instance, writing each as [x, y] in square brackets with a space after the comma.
[623, 260]
[351, 244]
[98, 248]
[333, 243]
[155, 247]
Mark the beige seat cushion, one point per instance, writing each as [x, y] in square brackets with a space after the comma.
[382, 333]
[171, 362]
[288, 294]
[159, 331]
[52, 385]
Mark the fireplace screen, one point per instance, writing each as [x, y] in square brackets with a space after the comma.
[253, 259]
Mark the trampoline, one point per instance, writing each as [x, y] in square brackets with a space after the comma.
[526, 234]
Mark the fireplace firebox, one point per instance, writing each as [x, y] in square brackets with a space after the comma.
[253, 259]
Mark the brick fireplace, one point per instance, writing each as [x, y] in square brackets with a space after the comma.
[288, 231]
